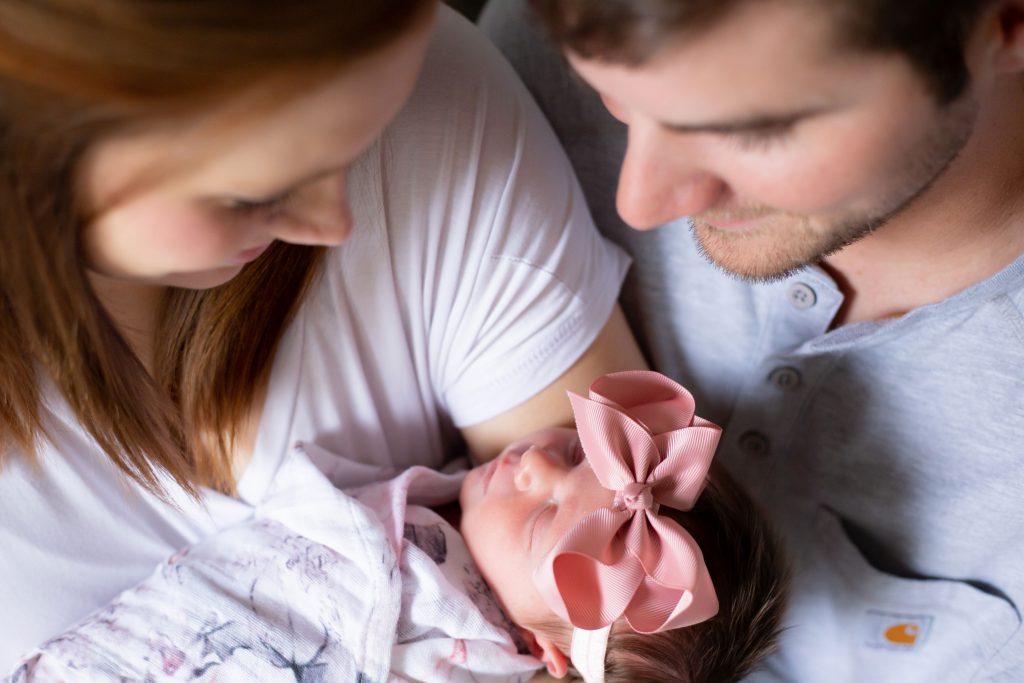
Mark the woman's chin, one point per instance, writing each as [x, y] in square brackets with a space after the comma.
[207, 279]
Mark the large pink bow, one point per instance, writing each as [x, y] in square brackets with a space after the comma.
[641, 437]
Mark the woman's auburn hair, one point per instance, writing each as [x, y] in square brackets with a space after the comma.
[73, 73]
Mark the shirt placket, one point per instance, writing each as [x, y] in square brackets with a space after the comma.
[784, 374]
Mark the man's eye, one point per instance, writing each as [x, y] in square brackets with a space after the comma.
[760, 139]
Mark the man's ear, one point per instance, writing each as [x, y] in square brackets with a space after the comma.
[545, 649]
[1009, 16]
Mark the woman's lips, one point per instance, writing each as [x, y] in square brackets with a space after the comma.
[251, 254]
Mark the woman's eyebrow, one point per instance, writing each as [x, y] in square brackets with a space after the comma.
[267, 198]
[313, 177]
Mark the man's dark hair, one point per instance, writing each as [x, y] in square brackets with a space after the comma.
[930, 34]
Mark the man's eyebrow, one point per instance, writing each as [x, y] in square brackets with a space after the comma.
[746, 124]
[750, 123]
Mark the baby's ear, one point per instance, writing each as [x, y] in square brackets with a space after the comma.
[544, 648]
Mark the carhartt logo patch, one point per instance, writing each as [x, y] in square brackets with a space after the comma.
[897, 630]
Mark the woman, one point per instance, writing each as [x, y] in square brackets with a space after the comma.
[231, 225]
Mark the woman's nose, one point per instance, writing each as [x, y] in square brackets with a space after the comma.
[537, 471]
[320, 214]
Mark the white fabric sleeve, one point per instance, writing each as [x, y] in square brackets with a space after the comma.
[517, 281]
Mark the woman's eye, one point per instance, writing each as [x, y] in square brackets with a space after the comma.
[266, 209]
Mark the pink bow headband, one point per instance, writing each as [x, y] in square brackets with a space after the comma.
[641, 437]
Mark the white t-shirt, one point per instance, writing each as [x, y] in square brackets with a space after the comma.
[473, 279]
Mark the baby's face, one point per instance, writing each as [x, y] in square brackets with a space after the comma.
[517, 506]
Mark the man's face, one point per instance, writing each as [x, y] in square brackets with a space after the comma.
[782, 146]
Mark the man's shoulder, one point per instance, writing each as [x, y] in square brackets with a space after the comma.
[996, 307]
[1016, 298]
[1014, 313]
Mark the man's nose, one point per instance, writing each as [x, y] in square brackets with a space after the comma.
[537, 472]
[660, 182]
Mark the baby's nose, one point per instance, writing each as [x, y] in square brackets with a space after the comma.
[537, 471]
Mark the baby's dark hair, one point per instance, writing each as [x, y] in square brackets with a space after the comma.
[745, 561]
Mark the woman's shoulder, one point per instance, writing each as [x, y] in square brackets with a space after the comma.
[447, 176]
[467, 98]
[463, 67]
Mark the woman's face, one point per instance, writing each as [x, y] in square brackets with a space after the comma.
[190, 204]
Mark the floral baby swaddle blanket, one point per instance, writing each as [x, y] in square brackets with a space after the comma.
[318, 584]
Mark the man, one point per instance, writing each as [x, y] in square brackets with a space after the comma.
[847, 299]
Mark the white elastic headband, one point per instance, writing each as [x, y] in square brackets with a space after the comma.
[587, 653]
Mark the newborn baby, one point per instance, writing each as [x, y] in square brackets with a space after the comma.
[613, 550]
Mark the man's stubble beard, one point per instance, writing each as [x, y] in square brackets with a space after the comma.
[788, 242]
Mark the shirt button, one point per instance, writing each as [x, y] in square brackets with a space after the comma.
[754, 443]
[785, 378]
[801, 296]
